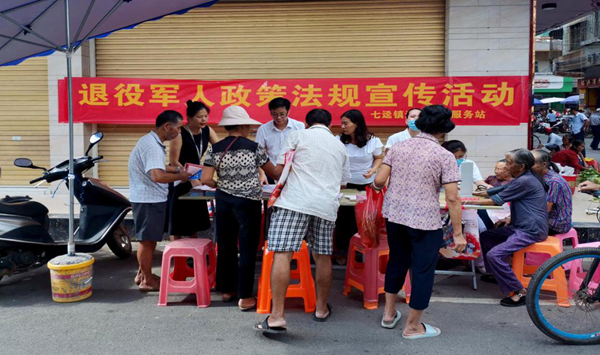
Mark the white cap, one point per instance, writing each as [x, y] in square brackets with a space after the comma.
[236, 115]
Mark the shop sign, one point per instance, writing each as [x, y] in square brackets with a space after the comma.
[588, 83]
[546, 83]
[383, 101]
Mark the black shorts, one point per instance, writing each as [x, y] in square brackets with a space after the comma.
[149, 220]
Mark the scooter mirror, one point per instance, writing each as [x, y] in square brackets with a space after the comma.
[23, 163]
[94, 139]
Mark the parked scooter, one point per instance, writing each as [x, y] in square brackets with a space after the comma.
[24, 239]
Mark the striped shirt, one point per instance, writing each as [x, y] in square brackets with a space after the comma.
[559, 193]
[148, 154]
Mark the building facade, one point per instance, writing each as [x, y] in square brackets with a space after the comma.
[289, 40]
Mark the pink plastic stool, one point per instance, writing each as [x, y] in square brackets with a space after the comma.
[576, 275]
[369, 276]
[175, 282]
[537, 259]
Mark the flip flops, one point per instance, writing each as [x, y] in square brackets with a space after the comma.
[324, 319]
[430, 332]
[266, 329]
[393, 323]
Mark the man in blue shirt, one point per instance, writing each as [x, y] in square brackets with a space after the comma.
[551, 117]
[579, 125]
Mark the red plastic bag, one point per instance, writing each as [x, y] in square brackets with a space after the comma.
[369, 220]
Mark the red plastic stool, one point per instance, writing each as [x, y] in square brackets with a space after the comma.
[203, 276]
[369, 276]
[305, 289]
[534, 260]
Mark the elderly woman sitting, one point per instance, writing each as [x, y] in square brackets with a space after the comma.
[529, 224]
[501, 175]
[559, 198]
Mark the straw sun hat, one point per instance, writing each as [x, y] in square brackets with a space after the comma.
[236, 116]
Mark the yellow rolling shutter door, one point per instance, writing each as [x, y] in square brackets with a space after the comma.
[312, 39]
[24, 117]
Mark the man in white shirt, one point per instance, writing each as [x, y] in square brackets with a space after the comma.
[411, 131]
[272, 135]
[148, 183]
[319, 168]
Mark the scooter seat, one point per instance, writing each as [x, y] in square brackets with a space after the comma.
[26, 208]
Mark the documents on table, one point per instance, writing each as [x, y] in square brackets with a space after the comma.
[203, 188]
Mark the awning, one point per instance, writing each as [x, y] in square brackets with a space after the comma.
[30, 28]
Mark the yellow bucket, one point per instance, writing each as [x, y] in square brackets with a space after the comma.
[71, 277]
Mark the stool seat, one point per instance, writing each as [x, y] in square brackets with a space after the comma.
[534, 260]
[203, 276]
[577, 273]
[304, 289]
[557, 282]
[368, 276]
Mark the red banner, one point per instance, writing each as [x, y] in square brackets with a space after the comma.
[499, 101]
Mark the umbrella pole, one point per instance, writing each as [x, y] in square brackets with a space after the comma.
[71, 178]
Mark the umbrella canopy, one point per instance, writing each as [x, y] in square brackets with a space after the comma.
[571, 100]
[31, 28]
[551, 100]
[537, 102]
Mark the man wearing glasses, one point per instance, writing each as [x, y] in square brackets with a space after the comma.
[272, 135]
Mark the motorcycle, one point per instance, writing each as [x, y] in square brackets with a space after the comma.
[25, 241]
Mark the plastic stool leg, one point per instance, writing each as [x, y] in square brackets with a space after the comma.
[163, 293]
[370, 294]
[201, 280]
[264, 284]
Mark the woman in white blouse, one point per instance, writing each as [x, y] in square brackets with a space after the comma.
[366, 155]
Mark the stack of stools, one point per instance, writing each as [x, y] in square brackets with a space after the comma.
[534, 260]
[203, 276]
[577, 273]
[368, 276]
[305, 289]
[558, 281]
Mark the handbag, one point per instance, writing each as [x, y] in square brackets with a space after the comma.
[289, 156]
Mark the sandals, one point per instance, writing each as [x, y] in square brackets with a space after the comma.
[324, 319]
[150, 288]
[509, 302]
[266, 329]
[393, 323]
[430, 332]
[248, 309]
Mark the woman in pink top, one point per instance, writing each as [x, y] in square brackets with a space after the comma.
[417, 169]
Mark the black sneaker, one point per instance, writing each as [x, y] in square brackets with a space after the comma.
[509, 302]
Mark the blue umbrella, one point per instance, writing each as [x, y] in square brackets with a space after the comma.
[30, 28]
[537, 102]
[571, 100]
